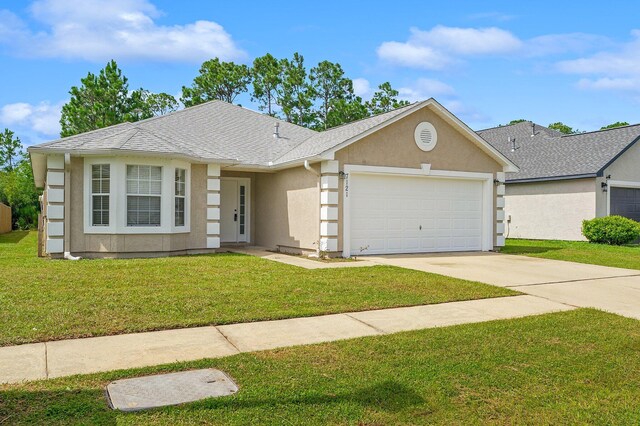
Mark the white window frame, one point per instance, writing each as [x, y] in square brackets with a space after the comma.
[488, 204]
[99, 194]
[182, 196]
[149, 195]
[118, 196]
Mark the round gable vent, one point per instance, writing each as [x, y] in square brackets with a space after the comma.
[426, 136]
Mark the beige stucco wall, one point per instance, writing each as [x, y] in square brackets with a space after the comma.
[287, 209]
[551, 210]
[395, 146]
[103, 244]
[625, 168]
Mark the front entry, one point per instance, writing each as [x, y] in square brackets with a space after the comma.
[234, 210]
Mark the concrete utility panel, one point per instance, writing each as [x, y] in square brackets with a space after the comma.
[143, 393]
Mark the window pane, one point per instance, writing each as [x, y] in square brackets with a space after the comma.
[95, 186]
[155, 187]
[100, 210]
[179, 211]
[132, 172]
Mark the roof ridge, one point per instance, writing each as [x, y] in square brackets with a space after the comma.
[502, 126]
[599, 130]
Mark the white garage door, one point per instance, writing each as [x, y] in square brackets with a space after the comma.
[397, 214]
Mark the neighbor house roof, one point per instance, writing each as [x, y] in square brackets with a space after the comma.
[545, 154]
[217, 131]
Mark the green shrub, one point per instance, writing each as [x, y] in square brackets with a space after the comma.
[614, 230]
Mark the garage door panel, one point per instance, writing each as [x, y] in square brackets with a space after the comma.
[390, 214]
[625, 202]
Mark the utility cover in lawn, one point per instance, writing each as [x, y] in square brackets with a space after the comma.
[142, 393]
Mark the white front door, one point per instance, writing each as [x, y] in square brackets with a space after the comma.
[234, 210]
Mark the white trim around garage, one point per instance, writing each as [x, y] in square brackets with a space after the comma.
[618, 184]
[424, 170]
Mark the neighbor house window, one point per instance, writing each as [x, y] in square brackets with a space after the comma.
[100, 187]
[180, 194]
[144, 189]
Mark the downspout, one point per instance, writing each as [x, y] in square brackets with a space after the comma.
[67, 208]
[311, 169]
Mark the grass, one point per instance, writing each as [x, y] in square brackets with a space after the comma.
[44, 299]
[577, 367]
[577, 251]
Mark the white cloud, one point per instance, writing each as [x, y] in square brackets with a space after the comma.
[425, 88]
[467, 41]
[617, 69]
[99, 30]
[625, 60]
[555, 44]
[606, 83]
[412, 55]
[439, 47]
[362, 87]
[43, 118]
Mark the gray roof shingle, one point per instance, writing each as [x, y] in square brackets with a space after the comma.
[216, 130]
[550, 155]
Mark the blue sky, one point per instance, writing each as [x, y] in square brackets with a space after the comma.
[488, 62]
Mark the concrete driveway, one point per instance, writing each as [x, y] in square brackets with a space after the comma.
[615, 290]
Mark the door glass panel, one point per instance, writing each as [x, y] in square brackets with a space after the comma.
[242, 209]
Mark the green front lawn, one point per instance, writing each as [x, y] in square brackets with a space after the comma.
[578, 367]
[577, 251]
[43, 299]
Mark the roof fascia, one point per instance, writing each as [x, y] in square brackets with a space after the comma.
[551, 178]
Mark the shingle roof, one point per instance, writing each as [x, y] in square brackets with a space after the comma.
[214, 130]
[550, 155]
[217, 131]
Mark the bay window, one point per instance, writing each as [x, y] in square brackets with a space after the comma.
[136, 195]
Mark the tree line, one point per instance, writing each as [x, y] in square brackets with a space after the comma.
[16, 182]
[318, 98]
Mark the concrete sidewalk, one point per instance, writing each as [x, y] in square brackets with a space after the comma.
[91, 355]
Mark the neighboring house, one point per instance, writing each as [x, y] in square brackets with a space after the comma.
[415, 179]
[5, 219]
[564, 179]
